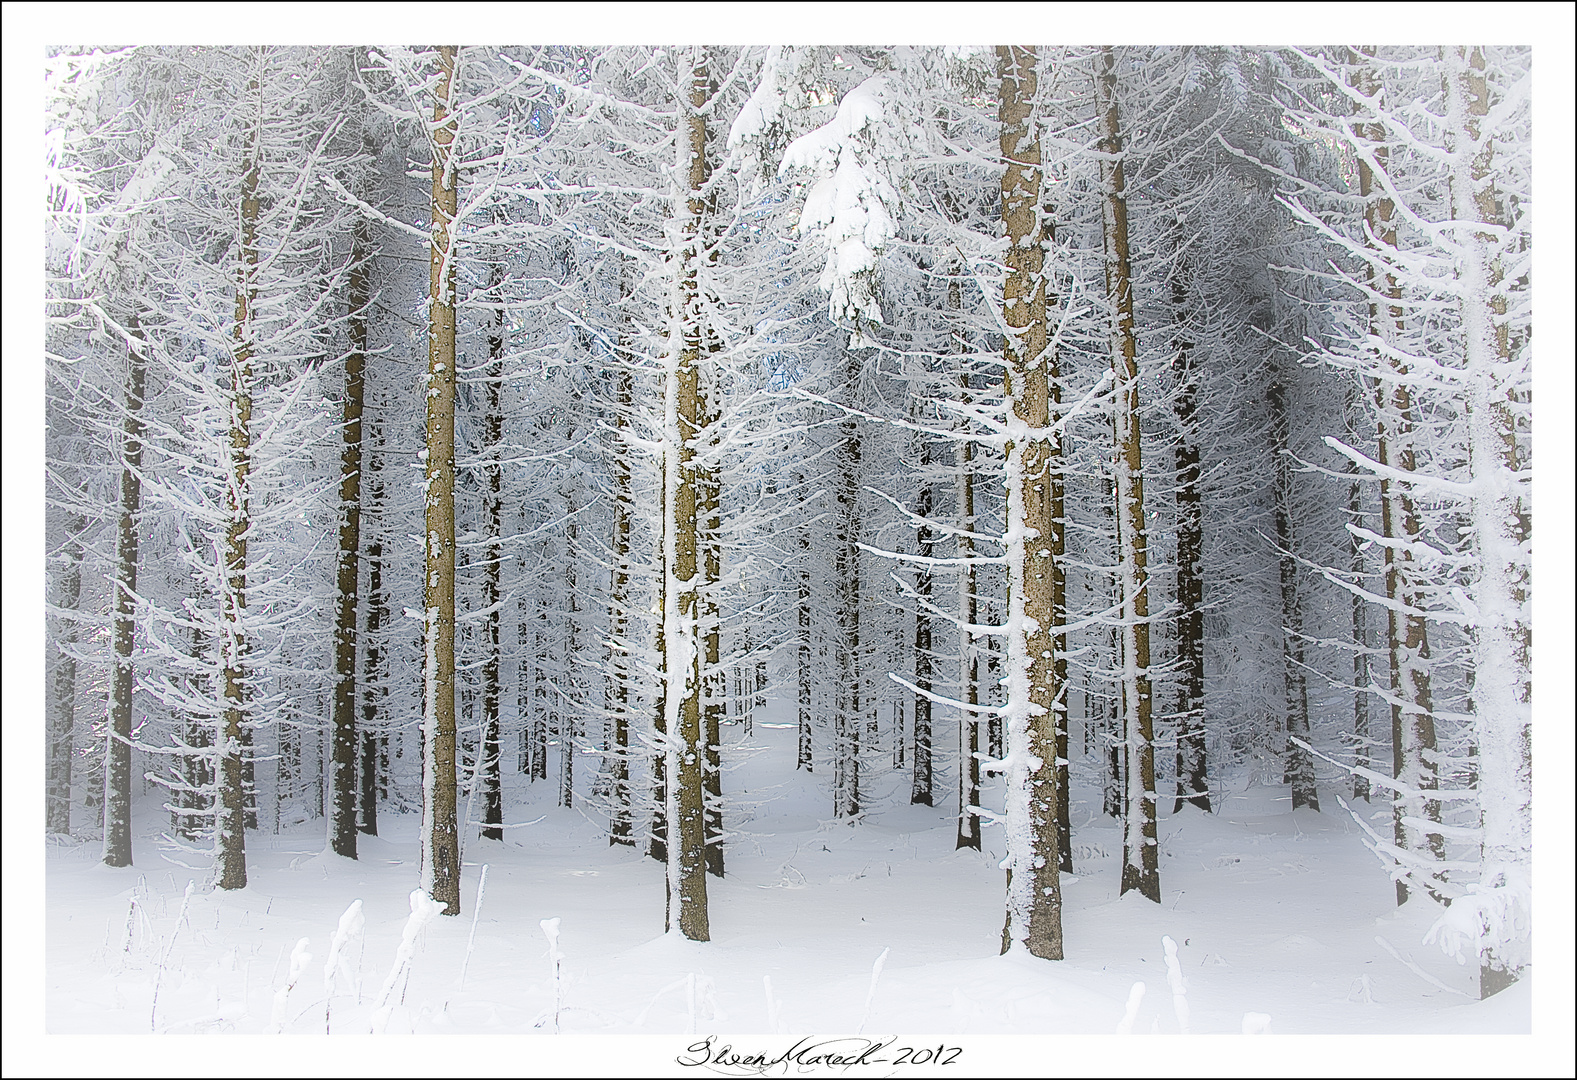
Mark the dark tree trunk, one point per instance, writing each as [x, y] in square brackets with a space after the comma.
[117, 758]
[920, 789]
[493, 514]
[1192, 783]
[342, 828]
[372, 675]
[802, 759]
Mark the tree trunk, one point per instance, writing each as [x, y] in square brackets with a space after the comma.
[493, 521]
[658, 847]
[342, 829]
[1192, 783]
[541, 712]
[525, 668]
[1360, 637]
[117, 757]
[1500, 517]
[920, 788]
[968, 656]
[440, 833]
[570, 695]
[1140, 857]
[1034, 901]
[1412, 709]
[619, 824]
[684, 644]
[195, 804]
[848, 717]
[802, 759]
[709, 479]
[372, 677]
[1300, 763]
[235, 723]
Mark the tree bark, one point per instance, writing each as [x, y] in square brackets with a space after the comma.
[658, 846]
[709, 479]
[848, 718]
[1034, 907]
[117, 757]
[493, 521]
[920, 787]
[802, 759]
[235, 722]
[683, 616]
[372, 678]
[1140, 855]
[619, 824]
[1193, 785]
[440, 833]
[342, 828]
[568, 727]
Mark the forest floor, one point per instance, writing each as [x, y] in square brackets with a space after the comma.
[1282, 920]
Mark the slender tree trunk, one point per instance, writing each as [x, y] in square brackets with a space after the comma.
[1412, 708]
[62, 706]
[1193, 785]
[372, 675]
[342, 829]
[524, 674]
[658, 847]
[440, 832]
[570, 697]
[709, 479]
[1057, 545]
[1300, 763]
[235, 723]
[1140, 855]
[619, 825]
[920, 788]
[117, 757]
[1499, 513]
[197, 769]
[1034, 900]
[847, 564]
[1360, 636]
[802, 759]
[493, 518]
[542, 711]
[968, 655]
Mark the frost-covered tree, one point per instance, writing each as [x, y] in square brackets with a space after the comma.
[1438, 257]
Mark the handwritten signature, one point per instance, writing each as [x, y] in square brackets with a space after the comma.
[844, 1053]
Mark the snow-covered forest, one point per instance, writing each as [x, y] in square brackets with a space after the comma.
[1050, 501]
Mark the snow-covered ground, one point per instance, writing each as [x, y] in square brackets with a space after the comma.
[1282, 922]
